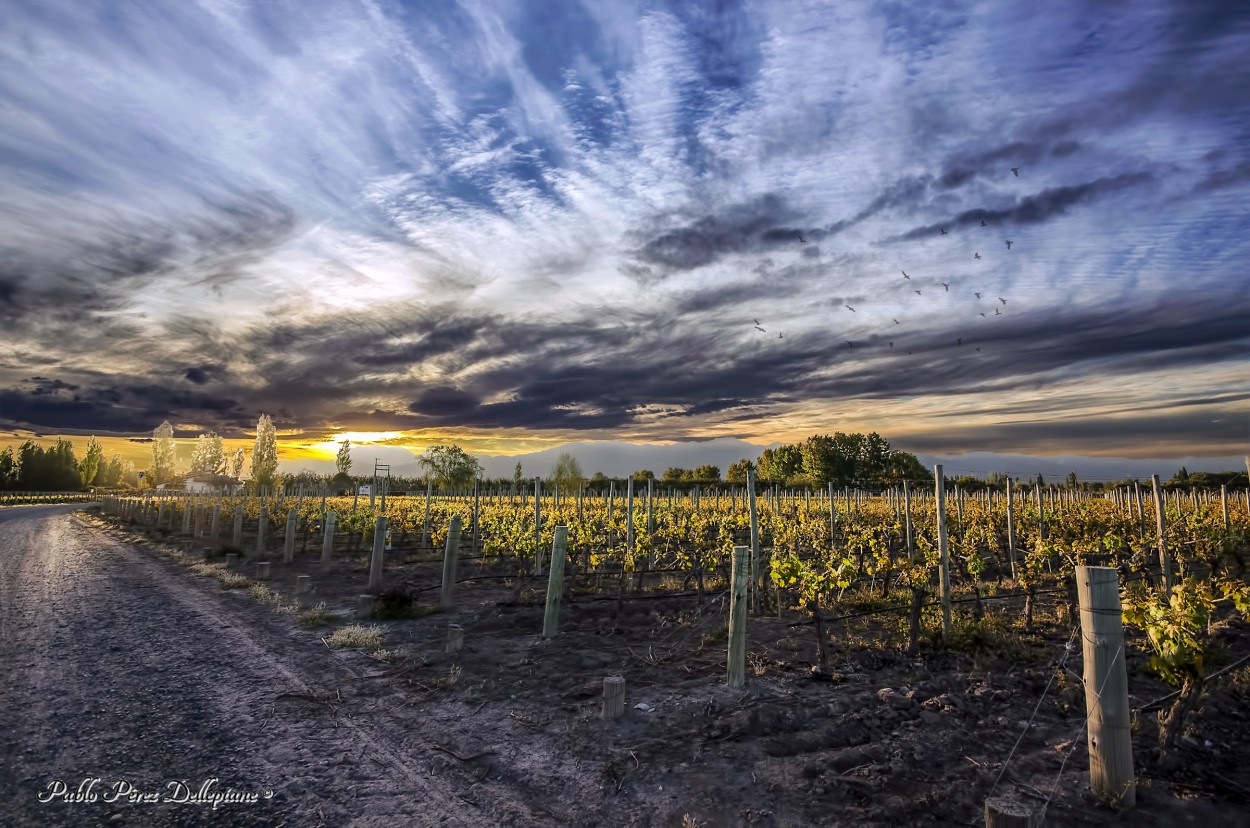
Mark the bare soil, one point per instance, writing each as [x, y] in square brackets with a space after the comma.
[129, 666]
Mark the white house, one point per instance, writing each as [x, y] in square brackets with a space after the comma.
[211, 484]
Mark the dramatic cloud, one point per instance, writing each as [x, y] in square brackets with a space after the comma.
[621, 221]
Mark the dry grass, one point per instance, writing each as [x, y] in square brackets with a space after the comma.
[317, 616]
[357, 636]
[272, 599]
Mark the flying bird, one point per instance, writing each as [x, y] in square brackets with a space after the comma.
[761, 330]
[983, 314]
[801, 239]
[943, 231]
[977, 295]
[1001, 299]
[983, 224]
[781, 336]
[948, 287]
[891, 344]
[959, 340]
[978, 350]
[896, 322]
[904, 272]
[1008, 243]
[850, 343]
[998, 312]
[848, 307]
[976, 255]
[917, 293]
[757, 321]
[1016, 170]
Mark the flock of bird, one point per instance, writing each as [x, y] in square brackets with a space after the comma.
[945, 285]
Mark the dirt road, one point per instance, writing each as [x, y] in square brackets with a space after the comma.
[130, 695]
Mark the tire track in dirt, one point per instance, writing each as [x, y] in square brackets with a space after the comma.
[120, 667]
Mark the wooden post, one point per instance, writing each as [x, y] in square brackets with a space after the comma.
[753, 596]
[833, 518]
[1141, 511]
[736, 668]
[236, 539]
[425, 527]
[215, 526]
[288, 548]
[613, 697]
[1011, 527]
[364, 606]
[1106, 685]
[327, 542]
[261, 525]
[1009, 812]
[303, 584]
[538, 526]
[1224, 505]
[379, 550]
[262, 571]
[911, 552]
[455, 638]
[477, 496]
[629, 521]
[944, 570]
[450, 554]
[186, 516]
[555, 582]
[1165, 563]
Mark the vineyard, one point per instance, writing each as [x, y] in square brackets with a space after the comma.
[945, 600]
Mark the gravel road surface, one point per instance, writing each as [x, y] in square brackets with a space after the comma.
[131, 694]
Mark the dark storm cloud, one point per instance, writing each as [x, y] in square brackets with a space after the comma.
[443, 400]
[103, 270]
[1220, 179]
[1051, 202]
[736, 229]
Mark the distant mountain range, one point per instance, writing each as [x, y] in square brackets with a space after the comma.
[618, 459]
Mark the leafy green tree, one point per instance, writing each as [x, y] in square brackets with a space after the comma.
[8, 469]
[236, 463]
[737, 472]
[674, 474]
[89, 466]
[450, 465]
[343, 460]
[264, 454]
[567, 474]
[707, 474]
[110, 473]
[163, 454]
[644, 474]
[517, 478]
[209, 456]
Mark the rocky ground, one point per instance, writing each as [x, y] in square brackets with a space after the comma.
[127, 665]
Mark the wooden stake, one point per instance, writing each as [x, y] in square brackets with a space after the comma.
[1165, 563]
[911, 552]
[237, 539]
[261, 526]
[1011, 527]
[1106, 685]
[455, 638]
[450, 554]
[613, 697]
[538, 526]
[753, 595]
[327, 542]
[736, 668]
[425, 527]
[288, 548]
[379, 551]
[944, 571]
[555, 582]
[1009, 812]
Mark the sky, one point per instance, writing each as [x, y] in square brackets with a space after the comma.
[515, 225]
